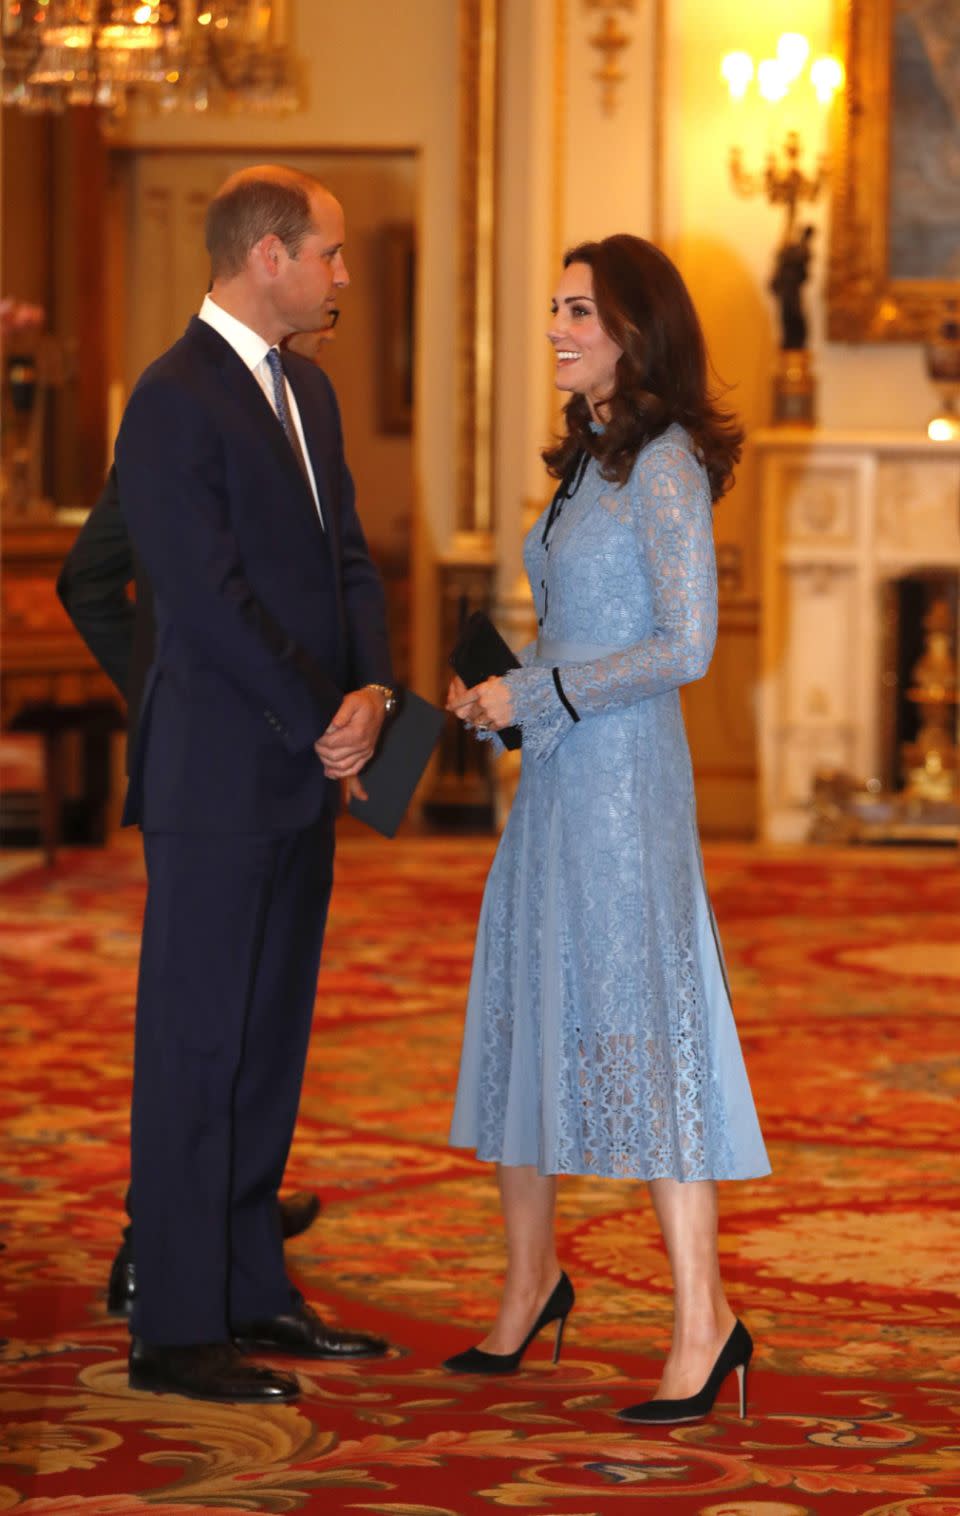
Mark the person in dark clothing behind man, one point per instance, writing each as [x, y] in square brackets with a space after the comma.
[93, 587]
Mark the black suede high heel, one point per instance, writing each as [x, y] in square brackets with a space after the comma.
[734, 1355]
[557, 1308]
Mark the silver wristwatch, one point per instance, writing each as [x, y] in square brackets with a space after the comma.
[389, 697]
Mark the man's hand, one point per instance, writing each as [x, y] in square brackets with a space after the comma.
[348, 743]
[488, 706]
[353, 790]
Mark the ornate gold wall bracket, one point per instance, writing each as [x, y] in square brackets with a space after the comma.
[782, 182]
[610, 41]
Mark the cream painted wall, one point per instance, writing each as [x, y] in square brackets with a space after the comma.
[608, 164]
[379, 76]
[724, 244]
[568, 171]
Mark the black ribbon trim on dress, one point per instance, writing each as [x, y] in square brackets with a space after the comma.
[560, 691]
[567, 488]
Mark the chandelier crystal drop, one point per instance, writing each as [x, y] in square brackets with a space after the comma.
[171, 54]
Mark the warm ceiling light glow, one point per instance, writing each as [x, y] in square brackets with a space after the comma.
[772, 79]
[205, 18]
[143, 14]
[826, 76]
[944, 429]
[793, 50]
[737, 69]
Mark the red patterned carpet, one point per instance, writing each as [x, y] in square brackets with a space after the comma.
[846, 969]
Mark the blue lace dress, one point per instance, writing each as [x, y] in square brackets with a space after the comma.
[599, 1034]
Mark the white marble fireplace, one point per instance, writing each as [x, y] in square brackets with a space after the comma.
[843, 512]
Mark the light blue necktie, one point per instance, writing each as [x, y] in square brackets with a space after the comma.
[283, 411]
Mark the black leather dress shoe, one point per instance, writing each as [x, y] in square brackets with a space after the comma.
[122, 1284]
[302, 1334]
[297, 1212]
[207, 1371]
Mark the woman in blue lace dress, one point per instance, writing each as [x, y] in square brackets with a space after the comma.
[599, 1034]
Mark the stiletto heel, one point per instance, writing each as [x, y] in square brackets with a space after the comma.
[734, 1355]
[742, 1381]
[476, 1361]
[558, 1343]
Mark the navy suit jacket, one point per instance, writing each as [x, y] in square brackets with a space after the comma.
[93, 585]
[264, 619]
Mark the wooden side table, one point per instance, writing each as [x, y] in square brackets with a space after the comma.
[51, 683]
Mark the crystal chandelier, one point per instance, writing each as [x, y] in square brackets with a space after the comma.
[174, 54]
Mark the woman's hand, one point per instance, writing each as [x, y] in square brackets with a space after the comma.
[488, 706]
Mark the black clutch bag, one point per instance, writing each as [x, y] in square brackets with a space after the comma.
[395, 770]
[480, 654]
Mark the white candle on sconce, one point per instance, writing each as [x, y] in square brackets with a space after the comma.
[737, 72]
[737, 69]
[826, 76]
[774, 86]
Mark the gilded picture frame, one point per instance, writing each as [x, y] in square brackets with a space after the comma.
[894, 269]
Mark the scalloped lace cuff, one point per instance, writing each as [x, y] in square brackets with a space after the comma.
[538, 711]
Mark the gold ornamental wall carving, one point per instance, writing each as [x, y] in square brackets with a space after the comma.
[610, 41]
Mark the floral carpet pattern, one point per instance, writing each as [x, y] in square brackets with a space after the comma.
[846, 975]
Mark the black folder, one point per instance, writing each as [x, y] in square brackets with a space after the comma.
[480, 654]
[393, 773]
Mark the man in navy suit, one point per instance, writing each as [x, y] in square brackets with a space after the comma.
[93, 585]
[269, 684]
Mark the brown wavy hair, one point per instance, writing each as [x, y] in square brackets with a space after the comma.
[661, 375]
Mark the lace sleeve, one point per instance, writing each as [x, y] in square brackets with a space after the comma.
[527, 653]
[671, 514]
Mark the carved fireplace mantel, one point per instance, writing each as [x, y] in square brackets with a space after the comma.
[844, 513]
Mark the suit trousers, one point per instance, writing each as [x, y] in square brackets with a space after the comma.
[229, 958]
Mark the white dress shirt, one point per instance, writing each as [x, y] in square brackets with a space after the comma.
[250, 347]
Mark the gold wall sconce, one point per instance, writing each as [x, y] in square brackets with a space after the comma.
[783, 182]
[774, 79]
